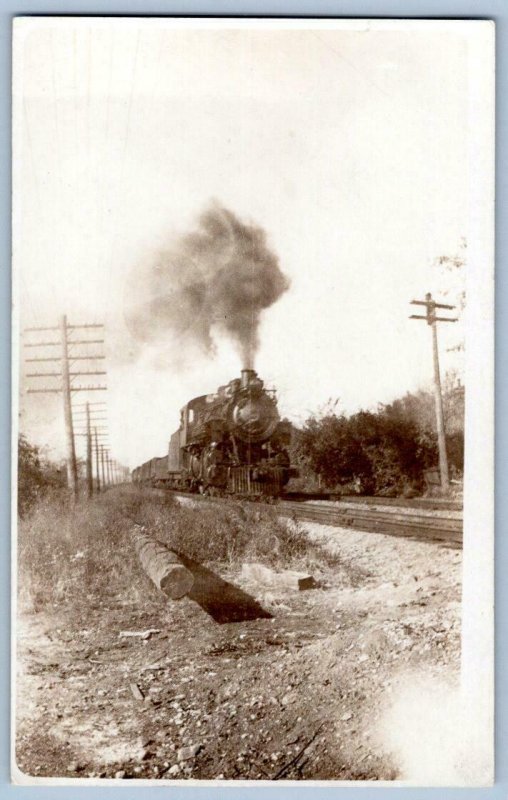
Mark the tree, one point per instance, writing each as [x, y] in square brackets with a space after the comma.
[383, 452]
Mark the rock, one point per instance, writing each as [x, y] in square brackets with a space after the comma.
[136, 691]
[142, 634]
[189, 752]
[174, 770]
[347, 716]
[287, 578]
[120, 773]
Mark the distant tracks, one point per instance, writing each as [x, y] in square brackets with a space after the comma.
[393, 521]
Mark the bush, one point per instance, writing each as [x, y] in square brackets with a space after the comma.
[36, 475]
[381, 452]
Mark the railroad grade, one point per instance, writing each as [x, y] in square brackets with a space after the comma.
[392, 520]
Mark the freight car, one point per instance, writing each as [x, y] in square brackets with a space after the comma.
[232, 442]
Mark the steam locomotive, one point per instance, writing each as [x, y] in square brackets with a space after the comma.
[232, 442]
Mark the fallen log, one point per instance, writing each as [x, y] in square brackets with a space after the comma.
[163, 566]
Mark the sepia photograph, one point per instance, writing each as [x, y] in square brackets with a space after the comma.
[253, 391]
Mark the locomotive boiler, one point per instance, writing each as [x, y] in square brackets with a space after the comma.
[232, 442]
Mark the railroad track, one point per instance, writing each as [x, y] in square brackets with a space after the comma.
[392, 520]
[425, 503]
[395, 521]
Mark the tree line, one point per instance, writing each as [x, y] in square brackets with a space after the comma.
[383, 452]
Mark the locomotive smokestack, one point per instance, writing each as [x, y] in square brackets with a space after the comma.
[247, 376]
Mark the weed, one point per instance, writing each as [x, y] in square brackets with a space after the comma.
[82, 555]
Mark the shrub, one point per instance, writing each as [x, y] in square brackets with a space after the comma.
[381, 452]
[36, 475]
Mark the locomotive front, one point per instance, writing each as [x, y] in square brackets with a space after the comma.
[252, 412]
[237, 442]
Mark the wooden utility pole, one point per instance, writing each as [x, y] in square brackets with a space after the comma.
[72, 471]
[431, 319]
[98, 479]
[89, 416]
[89, 473]
[66, 378]
[103, 473]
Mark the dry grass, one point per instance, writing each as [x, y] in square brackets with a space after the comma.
[82, 555]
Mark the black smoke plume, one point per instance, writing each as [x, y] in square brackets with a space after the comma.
[221, 275]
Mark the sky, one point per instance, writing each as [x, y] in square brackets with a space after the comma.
[348, 145]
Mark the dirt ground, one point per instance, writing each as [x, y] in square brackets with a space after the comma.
[298, 693]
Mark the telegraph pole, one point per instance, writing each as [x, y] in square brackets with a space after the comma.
[104, 480]
[90, 416]
[89, 474]
[431, 319]
[66, 380]
[97, 460]
[72, 471]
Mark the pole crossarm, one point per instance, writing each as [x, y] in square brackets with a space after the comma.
[436, 305]
[102, 428]
[59, 374]
[56, 327]
[95, 403]
[430, 306]
[79, 418]
[48, 328]
[41, 344]
[43, 391]
[86, 325]
[88, 372]
[88, 388]
[82, 341]
[73, 358]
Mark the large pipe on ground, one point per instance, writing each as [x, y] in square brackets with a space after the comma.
[163, 566]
